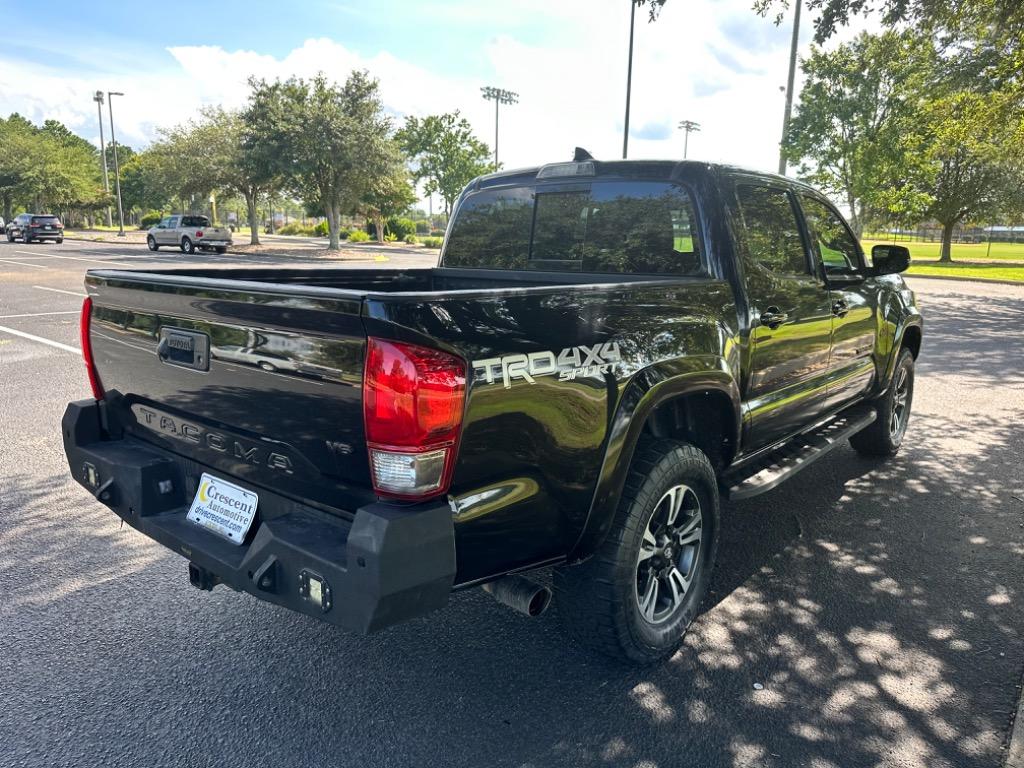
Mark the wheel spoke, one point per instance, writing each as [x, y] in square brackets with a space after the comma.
[675, 502]
[691, 536]
[648, 546]
[649, 601]
[678, 584]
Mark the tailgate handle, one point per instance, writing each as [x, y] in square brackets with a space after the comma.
[187, 349]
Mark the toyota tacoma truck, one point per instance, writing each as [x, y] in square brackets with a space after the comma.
[605, 350]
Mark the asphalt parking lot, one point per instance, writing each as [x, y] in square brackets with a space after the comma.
[876, 604]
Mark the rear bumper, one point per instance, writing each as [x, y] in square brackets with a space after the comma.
[388, 565]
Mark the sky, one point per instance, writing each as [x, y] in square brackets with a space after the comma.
[712, 61]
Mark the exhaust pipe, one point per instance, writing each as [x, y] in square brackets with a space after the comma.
[520, 594]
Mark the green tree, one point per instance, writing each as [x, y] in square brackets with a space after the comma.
[446, 154]
[974, 145]
[328, 142]
[17, 144]
[389, 195]
[858, 106]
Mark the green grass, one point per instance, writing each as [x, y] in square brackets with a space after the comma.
[962, 251]
[974, 271]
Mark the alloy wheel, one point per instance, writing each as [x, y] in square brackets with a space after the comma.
[669, 554]
[900, 405]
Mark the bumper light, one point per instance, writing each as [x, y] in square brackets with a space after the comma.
[408, 474]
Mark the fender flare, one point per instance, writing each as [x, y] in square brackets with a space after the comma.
[908, 321]
[649, 388]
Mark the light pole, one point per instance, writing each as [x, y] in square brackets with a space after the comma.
[789, 86]
[117, 169]
[690, 127]
[498, 96]
[629, 76]
[98, 98]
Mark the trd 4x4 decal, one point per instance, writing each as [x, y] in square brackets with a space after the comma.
[571, 363]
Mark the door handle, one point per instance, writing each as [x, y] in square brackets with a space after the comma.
[773, 318]
[840, 308]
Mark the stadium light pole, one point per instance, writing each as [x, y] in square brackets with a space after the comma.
[498, 96]
[98, 98]
[117, 169]
[789, 86]
[690, 127]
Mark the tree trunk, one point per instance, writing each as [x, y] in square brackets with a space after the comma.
[946, 251]
[332, 228]
[378, 224]
[7, 207]
[254, 225]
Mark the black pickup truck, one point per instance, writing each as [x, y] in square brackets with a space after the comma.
[605, 350]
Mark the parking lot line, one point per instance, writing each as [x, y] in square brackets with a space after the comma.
[40, 314]
[23, 264]
[60, 290]
[40, 339]
[71, 258]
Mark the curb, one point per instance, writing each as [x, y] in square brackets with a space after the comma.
[1015, 752]
[914, 276]
[126, 241]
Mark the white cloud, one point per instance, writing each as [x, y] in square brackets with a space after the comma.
[712, 61]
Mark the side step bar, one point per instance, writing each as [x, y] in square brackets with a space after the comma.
[779, 465]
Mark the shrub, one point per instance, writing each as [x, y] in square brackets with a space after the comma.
[390, 237]
[411, 239]
[295, 228]
[399, 226]
[422, 227]
[432, 242]
[321, 230]
[151, 219]
[437, 233]
[358, 236]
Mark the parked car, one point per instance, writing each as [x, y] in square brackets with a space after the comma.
[605, 351]
[188, 232]
[35, 226]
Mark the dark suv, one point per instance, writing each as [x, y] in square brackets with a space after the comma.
[32, 226]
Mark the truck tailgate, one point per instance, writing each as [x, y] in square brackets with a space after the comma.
[256, 384]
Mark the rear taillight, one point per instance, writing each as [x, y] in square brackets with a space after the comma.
[90, 364]
[199, 233]
[412, 409]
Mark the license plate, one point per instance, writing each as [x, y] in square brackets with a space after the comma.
[223, 508]
[47, 227]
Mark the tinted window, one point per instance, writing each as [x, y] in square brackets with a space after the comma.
[618, 227]
[492, 230]
[45, 220]
[768, 229]
[831, 239]
[195, 221]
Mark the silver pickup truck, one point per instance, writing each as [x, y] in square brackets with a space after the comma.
[188, 233]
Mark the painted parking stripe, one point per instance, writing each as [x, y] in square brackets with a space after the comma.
[40, 314]
[59, 290]
[23, 264]
[71, 258]
[40, 339]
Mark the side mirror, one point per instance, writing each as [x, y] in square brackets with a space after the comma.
[890, 259]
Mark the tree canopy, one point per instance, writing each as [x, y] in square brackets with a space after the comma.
[446, 155]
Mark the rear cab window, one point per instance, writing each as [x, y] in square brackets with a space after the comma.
[618, 227]
[195, 221]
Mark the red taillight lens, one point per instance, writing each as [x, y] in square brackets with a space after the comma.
[199, 233]
[90, 365]
[412, 408]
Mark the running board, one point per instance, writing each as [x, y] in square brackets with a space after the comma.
[799, 453]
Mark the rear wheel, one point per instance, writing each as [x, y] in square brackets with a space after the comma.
[885, 436]
[221, 249]
[25, 238]
[59, 240]
[10, 237]
[151, 243]
[636, 596]
[187, 246]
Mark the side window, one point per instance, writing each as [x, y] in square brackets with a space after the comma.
[768, 229]
[165, 222]
[831, 239]
[172, 223]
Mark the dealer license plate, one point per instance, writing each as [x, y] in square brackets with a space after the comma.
[223, 508]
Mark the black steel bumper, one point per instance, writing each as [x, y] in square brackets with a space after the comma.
[387, 565]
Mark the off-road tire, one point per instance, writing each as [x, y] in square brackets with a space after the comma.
[879, 439]
[598, 601]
